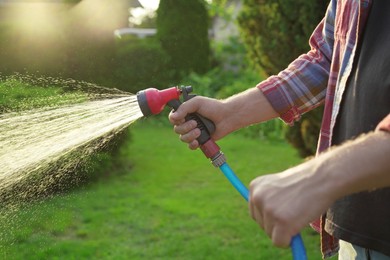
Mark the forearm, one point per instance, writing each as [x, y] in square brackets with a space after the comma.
[359, 165]
[228, 115]
[247, 108]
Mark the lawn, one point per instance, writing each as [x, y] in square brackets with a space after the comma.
[157, 200]
[16, 95]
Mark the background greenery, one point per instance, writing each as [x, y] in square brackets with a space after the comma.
[285, 26]
[184, 38]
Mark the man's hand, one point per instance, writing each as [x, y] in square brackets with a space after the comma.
[282, 204]
[246, 108]
[209, 108]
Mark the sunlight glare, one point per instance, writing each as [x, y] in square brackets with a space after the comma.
[99, 16]
[150, 4]
[34, 18]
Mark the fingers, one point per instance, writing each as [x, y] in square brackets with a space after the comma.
[266, 216]
[277, 230]
[185, 127]
[256, 215]
[254, 208]
[209, 108]
[187, 130]
[278, 233]
[190, 138]
[193, 145]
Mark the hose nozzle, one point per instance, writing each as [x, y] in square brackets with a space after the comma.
[152, 101]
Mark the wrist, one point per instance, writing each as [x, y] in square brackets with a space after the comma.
[315, 180]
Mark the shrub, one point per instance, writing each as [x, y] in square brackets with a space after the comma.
[140, 64]
[275, 33]
[182, 29]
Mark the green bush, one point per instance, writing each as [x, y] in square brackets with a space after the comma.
[140, 64]
[182, 29]
[230, 73]
[275, 33]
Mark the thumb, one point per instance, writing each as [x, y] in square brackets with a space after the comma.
[187, 107]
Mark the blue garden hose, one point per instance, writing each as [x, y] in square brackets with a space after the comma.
[297, 246]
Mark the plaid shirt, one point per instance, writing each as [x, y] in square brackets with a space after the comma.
[319, 77]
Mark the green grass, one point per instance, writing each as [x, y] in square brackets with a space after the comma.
[16, 95]
[157, 200]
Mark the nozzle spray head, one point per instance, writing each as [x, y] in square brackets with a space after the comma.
[152, 101]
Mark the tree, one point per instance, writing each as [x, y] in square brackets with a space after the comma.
[182, 29]
[276, 32]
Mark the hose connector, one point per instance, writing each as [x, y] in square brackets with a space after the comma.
[218, 159]
[212, 151]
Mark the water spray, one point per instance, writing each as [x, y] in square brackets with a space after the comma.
[152, 101]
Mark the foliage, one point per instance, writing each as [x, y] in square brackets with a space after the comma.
[140, 64]
[16, 95]
[275, 33]
[221, 9]
[231, 75]
[165, 202]
[223, 84]
[182, 29]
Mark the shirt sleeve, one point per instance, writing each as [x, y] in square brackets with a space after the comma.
[302, 85]
[384, 125]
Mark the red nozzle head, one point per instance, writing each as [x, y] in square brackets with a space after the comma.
[152, 101]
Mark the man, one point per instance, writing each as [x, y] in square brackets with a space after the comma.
[348, 185]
